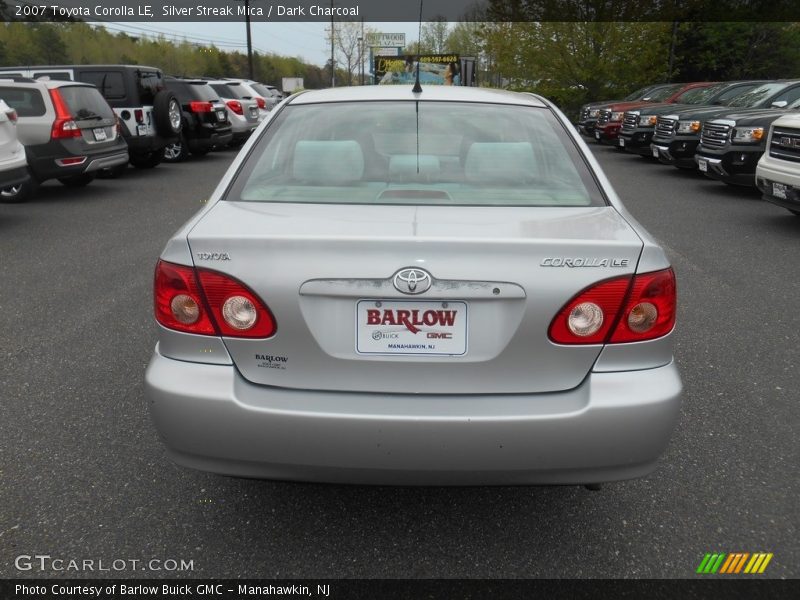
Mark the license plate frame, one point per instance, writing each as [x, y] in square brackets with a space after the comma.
[100, 134]
[220, 115]
[656, 153]
[702, 164]
[779, 190]
[436, 334]
[621, 142]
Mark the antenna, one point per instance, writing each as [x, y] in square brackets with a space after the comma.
[417, 89]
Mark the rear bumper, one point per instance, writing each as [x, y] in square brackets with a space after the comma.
[771, 171]
[16, 176]
[613, 426]
[45, 161]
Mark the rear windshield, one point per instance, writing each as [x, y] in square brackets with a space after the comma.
[263, 90]
[238, 91]
[85, 102]
[27, 102]
[203, 91]
[223, 90]
[434, 153]
[637, 95]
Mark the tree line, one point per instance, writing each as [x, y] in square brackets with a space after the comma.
[81, 43]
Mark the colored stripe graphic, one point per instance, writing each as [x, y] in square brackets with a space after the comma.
[729, 564]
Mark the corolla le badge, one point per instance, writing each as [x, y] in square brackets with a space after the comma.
[412, 281]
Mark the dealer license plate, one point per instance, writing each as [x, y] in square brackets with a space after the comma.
[702, 164]
[410, 327]
[655, 152]
[779, 190]
[621, 142]
[100, 134]
[597, 135]
[220, 115]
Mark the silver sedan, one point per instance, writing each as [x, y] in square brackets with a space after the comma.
[390, 287]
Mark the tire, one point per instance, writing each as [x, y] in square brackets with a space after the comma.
[16, 193]
[146, 161]
[177, 152]
[167, 114]
[77, 180]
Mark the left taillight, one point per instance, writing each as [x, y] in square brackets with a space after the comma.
[12, 115]
[206, 302]
[64, 126]
[235, 106]
[261, 102]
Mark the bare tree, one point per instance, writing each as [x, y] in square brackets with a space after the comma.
[349, 40]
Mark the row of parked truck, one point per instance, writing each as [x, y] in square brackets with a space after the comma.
[739, 132]
[73, 123]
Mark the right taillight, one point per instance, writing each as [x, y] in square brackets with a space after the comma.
[619, 310]
[64, 125]
[206, 302]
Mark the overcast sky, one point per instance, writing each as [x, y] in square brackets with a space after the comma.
[303, 39]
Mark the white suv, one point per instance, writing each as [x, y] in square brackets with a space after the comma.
[778, 171]
[14, 176]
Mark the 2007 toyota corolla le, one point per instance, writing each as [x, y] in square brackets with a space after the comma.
[398, 288]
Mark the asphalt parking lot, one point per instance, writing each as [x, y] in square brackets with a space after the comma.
[83, 475]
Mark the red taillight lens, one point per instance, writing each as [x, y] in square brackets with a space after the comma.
[649, 311]
[138, 114]
[12, 116]
[237, 311]
[208, 303]
[235, 106]
[177, 296]
[200, 107]
[64, 126]
[261, 102]
[575, 323]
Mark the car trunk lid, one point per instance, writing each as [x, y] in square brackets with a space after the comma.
[500, 275]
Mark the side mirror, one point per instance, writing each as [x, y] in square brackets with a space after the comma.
[779, 104]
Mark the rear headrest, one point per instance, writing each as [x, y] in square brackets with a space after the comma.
[328, 163]
[503, 162]
[404, 166]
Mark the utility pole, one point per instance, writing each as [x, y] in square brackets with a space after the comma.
[249, 39]
[333, 63]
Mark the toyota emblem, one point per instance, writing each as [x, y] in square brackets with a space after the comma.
[412, 281]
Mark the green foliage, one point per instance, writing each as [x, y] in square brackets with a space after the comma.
[79, 43]
[712, 51]
[574, 62]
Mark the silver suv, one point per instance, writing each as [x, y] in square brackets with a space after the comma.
[68, 129]
[14, 178]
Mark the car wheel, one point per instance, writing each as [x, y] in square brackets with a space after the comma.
[167, 113]
[77, 180]
[146, 161]
[176, 152]
[16, 193]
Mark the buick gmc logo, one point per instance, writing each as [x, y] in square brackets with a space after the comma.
[788, 142]
[412, 281]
